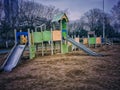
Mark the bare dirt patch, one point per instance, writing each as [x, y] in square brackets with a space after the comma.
[72, 71]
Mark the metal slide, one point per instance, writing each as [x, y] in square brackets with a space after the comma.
[83, 47]
[13, 58]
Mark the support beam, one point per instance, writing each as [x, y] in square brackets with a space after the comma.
[61, 34]
[51, 43]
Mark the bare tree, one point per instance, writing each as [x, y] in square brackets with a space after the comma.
[32, 13]
[92, 17]
[92, 21]
[1, 11]
[116, 16]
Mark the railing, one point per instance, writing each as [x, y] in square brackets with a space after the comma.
[41, 27]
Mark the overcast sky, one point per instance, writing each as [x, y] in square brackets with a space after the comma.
[77, 8]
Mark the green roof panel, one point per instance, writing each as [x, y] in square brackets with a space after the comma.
[58, 17]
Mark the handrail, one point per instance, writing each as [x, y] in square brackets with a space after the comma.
[43, 25]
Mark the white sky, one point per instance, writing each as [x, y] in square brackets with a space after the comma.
[78, 7]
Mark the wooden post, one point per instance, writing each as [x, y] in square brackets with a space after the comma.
[79, 42]
[42, 42]
[95, 41]
[29, 41]
[55, 47]
[74, 45]
[35, 29]
[67, 34]
[88, 41]
[51, 43]
[45, 47]
[61, 33]
[53, 26]
[32, 38]
[101, 41]
[45, 27]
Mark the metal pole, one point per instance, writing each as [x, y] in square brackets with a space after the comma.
[103, 22]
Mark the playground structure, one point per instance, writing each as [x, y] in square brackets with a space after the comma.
[92, 39]
[96, 41]
[41, 39]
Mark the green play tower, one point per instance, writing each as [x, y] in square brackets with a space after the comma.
[60, 24]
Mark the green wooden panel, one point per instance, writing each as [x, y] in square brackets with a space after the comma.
[46, 35]
[32, 52]
[37, 37]
[64, 25]
[64, 33]
[64, 48]
[92, 40]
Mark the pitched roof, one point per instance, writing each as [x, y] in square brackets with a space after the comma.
[60, 16]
